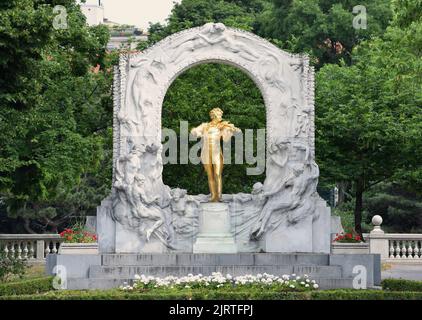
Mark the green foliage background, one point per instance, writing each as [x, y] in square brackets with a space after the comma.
[190, 98]
[56, 105]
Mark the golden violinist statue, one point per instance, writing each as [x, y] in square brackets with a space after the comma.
[211, 154]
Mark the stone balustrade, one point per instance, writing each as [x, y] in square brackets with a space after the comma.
[32, 247]
[395, 247]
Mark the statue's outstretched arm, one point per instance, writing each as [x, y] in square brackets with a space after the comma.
[228, 131]
[198, 131]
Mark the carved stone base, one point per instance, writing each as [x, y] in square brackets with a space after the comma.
[214, 230]
[308, 235]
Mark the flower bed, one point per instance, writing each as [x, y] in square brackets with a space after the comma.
[78, 235]
[218, 281]
[348, 237]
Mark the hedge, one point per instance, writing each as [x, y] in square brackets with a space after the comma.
[401, 285]
[41, 289]
[192, 295]
[26, 287]
[196, 295]
[364, 295]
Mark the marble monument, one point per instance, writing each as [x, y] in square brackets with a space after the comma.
[284, 213]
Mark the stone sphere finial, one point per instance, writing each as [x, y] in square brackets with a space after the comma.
[377, 220]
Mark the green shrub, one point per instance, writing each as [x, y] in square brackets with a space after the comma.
[11, 267]
[364, 295]
[26, 287]
[187, 295]
[217, 295]
[401, 285]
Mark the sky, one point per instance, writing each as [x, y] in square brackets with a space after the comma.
[136, 12]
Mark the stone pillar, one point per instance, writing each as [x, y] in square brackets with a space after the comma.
[378, 242]
[39, 253]
[214, 230]
[106, 227]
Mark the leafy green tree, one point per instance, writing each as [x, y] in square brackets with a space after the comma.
[55, 109]
[369, 119]
[399, 206]
[322, 28]
[187, 14]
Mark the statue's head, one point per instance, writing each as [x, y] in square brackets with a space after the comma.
[219, 27]
[216, 114]
[139, 179]
[177, 194]
[257, 188]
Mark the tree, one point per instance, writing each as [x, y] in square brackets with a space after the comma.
[55, 109]
[323, 28]
[187, 14]
[369, 119]
[399, 206]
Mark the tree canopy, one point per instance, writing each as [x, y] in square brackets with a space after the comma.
[56, 103]
[55, 110]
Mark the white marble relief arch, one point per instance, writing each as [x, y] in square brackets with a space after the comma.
[146, 77]
[286, 82]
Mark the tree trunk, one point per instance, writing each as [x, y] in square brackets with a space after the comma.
[27, 226]
[359, 207]
[342, 192]
[54, 226]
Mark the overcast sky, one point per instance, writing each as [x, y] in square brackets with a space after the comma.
[136, 12]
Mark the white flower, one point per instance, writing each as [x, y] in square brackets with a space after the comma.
[137, 277]
[307, 286]
[316, 286]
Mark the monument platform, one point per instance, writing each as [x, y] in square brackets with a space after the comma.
[112, 270]
[214, 230]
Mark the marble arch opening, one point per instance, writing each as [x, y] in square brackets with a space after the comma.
[187, 104]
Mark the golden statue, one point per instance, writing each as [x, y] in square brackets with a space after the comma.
[211, 154]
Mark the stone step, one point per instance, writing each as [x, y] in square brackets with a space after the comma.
[123, 272]
[239, 259]
[106, 283]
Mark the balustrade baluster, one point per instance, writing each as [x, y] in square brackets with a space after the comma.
[12, 250]
[19, 251]
[25, 250]
[31, 250]
[403, 249]
[47, 247]
[6, 250]
[397, 255]
[410, 250]
[54, 251]
[391, 249]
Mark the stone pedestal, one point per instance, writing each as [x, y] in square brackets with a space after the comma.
[214, 230]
